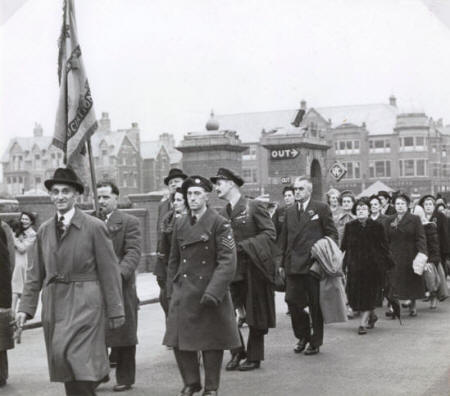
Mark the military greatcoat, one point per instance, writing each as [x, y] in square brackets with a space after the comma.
[202, 261]
[81, 286]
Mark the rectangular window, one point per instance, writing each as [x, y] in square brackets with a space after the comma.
[420, 141]
[408, 142]
[342, 145]
[377, 146]
[409, 167]
[356, 142]
[353, 170]
[420, 167]
[379, 169]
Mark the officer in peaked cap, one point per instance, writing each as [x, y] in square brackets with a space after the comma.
[252, 288]
[201, 267]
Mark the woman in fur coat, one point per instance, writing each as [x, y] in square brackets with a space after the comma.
[366, 260]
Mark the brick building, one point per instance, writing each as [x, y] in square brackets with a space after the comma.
[404, 148]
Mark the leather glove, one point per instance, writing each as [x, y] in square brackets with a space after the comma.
[161, 282]
[209, 301]
[115, 323]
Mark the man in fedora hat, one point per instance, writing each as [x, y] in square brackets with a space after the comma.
[75, 267]
[201, 266]
[173, 181]
[253, 284]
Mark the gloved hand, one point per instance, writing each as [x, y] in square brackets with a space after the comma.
[209, 301]
[161, 282]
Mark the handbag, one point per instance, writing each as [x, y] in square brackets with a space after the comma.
[431, 277]
[419, 263]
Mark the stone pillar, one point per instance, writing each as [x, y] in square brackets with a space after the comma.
[150, 203]
[40, 205]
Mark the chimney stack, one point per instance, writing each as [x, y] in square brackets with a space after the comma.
[303, 105]
[393, 100]
[37, 130]
[105, 122]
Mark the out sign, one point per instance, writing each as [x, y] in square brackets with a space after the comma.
[284, 153]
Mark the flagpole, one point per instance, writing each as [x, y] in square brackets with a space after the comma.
[93, 180]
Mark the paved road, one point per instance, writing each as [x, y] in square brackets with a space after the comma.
[392, 360]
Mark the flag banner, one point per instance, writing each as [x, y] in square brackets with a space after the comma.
[75, 116]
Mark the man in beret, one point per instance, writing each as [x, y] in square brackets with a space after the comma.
[75, 266]
[173, 181]
[201, 266]
[253, 285]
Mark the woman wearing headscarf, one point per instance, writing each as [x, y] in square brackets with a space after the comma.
[6, 339]
[431, 234]
[406, 238]
[24, 237]
[366, 260]
[428, 203]
[345, 215]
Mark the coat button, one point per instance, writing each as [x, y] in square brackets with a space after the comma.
[203, 262]
[206, 247]
[200, 277]
[184, 275]
[184, 260]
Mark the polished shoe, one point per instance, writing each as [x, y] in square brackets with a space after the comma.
[210, 393]
[300, 346]
[189, 390]
[233, 364]
[371, 322]
[406, 304]
[311, 350]
[121, 388]
[248, 365]
[362, 330]
[413, 312]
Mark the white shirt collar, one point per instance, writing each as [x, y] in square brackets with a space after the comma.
[67, 216]
[305, 203]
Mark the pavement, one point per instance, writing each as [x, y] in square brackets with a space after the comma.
[147, 290]
[412, 359]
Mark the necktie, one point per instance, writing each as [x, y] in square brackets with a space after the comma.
[300, 210]
[60, 227]
[193, 220]
[228, 209]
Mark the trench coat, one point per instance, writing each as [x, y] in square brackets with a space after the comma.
[24, 255]
[406, 238]
[202, 262]
[126, 237]
[80, 280]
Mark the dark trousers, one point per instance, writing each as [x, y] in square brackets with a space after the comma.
[302, 323]
[189, 366]
[3, 367]
[255, 345]
[125, 359]
[80, 388]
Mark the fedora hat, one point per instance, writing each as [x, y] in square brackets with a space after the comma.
[174, 173]
[226, 174]
[65, 176]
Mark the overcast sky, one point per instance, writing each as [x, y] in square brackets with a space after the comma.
[166, 63]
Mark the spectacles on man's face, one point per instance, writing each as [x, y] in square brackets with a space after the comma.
[299, 188]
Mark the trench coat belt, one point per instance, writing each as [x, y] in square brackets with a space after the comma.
[72, 277]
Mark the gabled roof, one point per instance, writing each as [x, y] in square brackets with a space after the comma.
[27, 143]
[150, 150]
[114, 139]
[379, 119]
[374, 188]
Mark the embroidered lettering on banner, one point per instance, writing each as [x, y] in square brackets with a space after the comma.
[228, 242]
